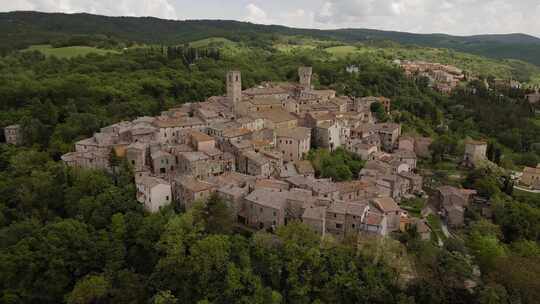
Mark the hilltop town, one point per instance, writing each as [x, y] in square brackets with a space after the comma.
[209, 161]
[249, 147]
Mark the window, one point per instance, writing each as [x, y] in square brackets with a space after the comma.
[354, 225]
[335, 215]
[275, 214]
[167, 198]
[338, 226]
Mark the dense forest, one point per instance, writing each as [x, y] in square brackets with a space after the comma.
[22, 29]
[79, 236]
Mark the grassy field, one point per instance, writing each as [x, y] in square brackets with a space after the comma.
[342, 51]
[68, 52]
[287, 48]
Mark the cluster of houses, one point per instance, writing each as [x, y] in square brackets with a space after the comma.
[444, 78]
[249, 147]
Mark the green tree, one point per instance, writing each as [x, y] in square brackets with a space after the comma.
[89, 290]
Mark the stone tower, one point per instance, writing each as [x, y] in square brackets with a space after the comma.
[304, 73]
[234, 88]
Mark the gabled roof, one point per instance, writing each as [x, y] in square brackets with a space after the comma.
[193, 184]
[298, 133]
[386, 204]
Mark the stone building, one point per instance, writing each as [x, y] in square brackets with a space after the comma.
[451, 203]
[531, 177]
[136, 154]
[13, 135]
[234, 89]
[188, 190]
[293, 143]
[253, 163]
[475, 152]
[305, 73]
[153, 192]
[389, 134]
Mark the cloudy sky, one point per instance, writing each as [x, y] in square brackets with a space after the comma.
[460, 17]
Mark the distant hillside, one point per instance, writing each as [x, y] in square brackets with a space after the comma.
[22, 29]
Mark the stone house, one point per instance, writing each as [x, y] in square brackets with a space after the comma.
[452, 203]
[140, 133]
[475, 152]
[293, 143]
[531, 177]
[354, 216]
[276, 119]
[322, 188]
[88, 160]
[163, 162]
[406, 156]
[136, 155]
[271, 183]
[195, 164]
[13, 135]
[390, 209]
[253, 163]
[188, 190]
[352, 191]
[173, 130]
[375, 223]
[234, 195]
[375, 168]
[315, 217]
[365, 151]
[252, 124]
[264, 209]
[327, 135]
[304, 168]
[389, 134]
[415, 182]
[393, 186]
[153, 192]
[335, 218]
[201, 141]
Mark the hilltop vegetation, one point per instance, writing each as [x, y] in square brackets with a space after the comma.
[22, 29]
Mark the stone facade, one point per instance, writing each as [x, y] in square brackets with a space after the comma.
[13, 135]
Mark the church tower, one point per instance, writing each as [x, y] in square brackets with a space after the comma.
[304, 73]
[234, 89]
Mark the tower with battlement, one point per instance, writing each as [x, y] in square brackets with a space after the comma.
[304, 74]
[234, 89]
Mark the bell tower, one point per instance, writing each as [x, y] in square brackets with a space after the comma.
[234, 88]
[304, 74]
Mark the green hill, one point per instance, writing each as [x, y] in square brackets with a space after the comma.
[22, 29]
[68, 51]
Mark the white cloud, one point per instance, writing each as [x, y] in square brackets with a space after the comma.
[463, 17]
[157, 8]
[427, 16]
[256, 14]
